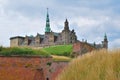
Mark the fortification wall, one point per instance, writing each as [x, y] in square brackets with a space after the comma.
[29, 68]
[57, 68]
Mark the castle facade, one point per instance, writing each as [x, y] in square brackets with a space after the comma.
[66, 36]
[50, 38]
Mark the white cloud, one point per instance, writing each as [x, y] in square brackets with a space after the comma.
[115, 43]
[89, 19]
[14, 24]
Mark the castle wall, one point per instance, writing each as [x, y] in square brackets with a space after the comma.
[29, 68]
[82, 47]
[76, 47]
[56, 68]
[65, 37]
[16, 42]
[37, 41]
[51, 38]
[22, 68]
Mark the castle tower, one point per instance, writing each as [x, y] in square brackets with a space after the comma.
[37, 40]
[26, 41]
[66, 33]
[47, 28]
[66, 25]
[105, 42]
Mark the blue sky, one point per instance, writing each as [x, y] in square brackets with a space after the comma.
[91, 19]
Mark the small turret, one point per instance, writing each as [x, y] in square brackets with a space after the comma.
[26, 41]
[105, 42]
[105, 38]
[94, 44]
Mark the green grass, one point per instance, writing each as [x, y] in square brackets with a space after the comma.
[57, 52]
[97, 65]
[22, 52]
[61, 50]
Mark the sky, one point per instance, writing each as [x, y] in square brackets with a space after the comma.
[90, 19]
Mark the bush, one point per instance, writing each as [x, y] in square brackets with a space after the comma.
[49, 63]
[1, 48]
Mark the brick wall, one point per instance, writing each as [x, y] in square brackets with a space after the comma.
[76, 47]
[82, 47]
[22, 68]
[57, 68]
[29, 68]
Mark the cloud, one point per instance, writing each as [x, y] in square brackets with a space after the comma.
[115, 43]
[90, 19]
[14, 24]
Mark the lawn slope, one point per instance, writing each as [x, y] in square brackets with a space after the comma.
[61, 50]
[22, 52]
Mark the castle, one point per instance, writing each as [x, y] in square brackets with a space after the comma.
[50, 38]
[44, 68]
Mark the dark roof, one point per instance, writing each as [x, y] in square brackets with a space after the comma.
[41, 36]
[31, 37]
[56, 34]
[17, 37]
[89, 44]
[99, 46]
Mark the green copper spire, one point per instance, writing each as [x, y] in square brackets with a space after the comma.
[47, 28]
[105, 36]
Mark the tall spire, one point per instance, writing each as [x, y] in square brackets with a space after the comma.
[105, 37]
[47, 28]
[105, 42]
[66, 26]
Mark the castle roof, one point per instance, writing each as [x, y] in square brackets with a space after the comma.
[17, 37]
[56, 34]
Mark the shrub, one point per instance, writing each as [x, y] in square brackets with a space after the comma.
[49, 63]
[1, 48]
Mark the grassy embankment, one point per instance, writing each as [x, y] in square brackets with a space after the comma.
[22, 52]
[61, 50]
[97, 65]
[59, 53]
